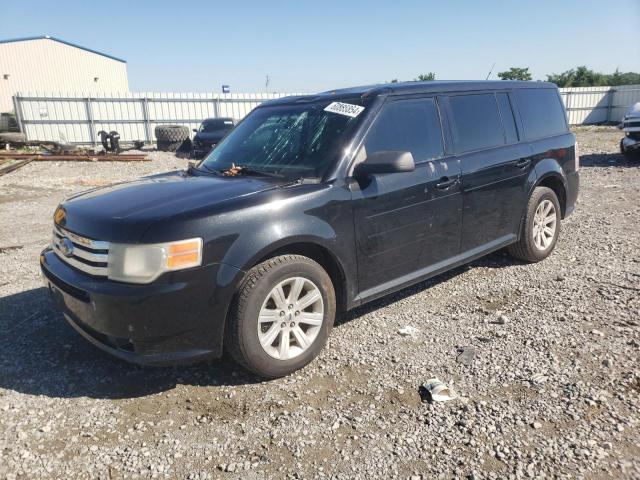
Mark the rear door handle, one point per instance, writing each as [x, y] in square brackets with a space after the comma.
[523, 163]
[446, 182]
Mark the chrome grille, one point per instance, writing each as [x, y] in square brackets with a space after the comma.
[89, 256]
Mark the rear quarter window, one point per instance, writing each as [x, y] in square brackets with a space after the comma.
[541, 112]
[477, 122]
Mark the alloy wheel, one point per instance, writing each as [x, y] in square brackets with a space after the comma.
[544, 225]
[290, 318]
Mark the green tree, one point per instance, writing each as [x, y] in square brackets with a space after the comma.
[620, 78]
[516, 73]
[585, 77]
[580, 77]
[425, 77]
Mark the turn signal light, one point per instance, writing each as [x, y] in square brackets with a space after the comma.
[184, 254]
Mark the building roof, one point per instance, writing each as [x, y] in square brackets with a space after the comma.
[47, 37]
[433, 86]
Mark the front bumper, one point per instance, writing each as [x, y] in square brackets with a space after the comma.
[201, 149]
[177, 319]
[631, 144]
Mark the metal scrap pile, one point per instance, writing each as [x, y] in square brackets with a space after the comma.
[18, 152]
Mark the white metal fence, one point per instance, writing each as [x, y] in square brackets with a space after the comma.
[77, 118]
[589, 105]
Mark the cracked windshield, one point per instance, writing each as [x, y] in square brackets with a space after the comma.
[289, 141]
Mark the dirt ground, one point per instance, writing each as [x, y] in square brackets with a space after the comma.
[553, 390]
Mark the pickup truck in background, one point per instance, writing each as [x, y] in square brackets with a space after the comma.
[630, 143]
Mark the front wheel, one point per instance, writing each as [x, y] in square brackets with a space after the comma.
[541, 227]
[282, 316]
[630, 156]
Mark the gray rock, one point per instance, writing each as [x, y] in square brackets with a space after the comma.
[466, 355]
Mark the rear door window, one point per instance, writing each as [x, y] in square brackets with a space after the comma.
[508, 121]
[407, 125]
[541, 112]
[476, 121]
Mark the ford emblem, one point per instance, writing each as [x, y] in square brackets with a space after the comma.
[66, 247]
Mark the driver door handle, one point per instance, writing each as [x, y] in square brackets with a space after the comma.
[446, 182]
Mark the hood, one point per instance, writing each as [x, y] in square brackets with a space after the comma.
[634, 111]
[631, 120]
[124, 211]
[209, 137]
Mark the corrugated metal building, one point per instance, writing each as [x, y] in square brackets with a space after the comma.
[48, 64]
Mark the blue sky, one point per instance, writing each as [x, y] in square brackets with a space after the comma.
[305, 46]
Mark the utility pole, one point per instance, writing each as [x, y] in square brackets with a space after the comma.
[266, 83]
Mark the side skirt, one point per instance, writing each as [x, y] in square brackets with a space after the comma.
[433, 270]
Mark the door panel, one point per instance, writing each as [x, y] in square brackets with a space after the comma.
[493, 184]
[494, 167]
[406, 221]
[443, 210]
[390, 225]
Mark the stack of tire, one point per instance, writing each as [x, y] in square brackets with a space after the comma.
[171, 138]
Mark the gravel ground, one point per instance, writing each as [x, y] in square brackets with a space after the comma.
[552, 390]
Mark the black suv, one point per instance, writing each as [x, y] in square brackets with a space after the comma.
[310, 206]
[211, 131]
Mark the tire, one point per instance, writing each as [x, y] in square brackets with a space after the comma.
[529, 247]
[244, 338]
[171, 133]
[12, 137]
[629, 156]
[169, 146]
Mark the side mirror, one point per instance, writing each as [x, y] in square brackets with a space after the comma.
[195, 130]
[386, 162]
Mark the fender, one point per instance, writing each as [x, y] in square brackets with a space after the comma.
[268, 228]
[545, 168]
[259, 243]
[268, 242]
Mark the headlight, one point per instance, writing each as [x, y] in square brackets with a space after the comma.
[144, 263]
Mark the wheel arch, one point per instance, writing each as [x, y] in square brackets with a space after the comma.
[555, 183]
[550, 174]
[311, 247]
[319, 253]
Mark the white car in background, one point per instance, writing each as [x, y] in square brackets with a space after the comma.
[630, 144]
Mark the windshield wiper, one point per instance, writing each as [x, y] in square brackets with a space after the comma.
[242, 169]
[256, 171]
[206, 170]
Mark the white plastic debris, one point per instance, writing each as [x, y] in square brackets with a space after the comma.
[408, 331]
[438, 391]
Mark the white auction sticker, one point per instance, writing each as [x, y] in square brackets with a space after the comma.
[347, 109]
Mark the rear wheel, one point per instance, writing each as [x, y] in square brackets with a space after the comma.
[541, 227]
[282, 316]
